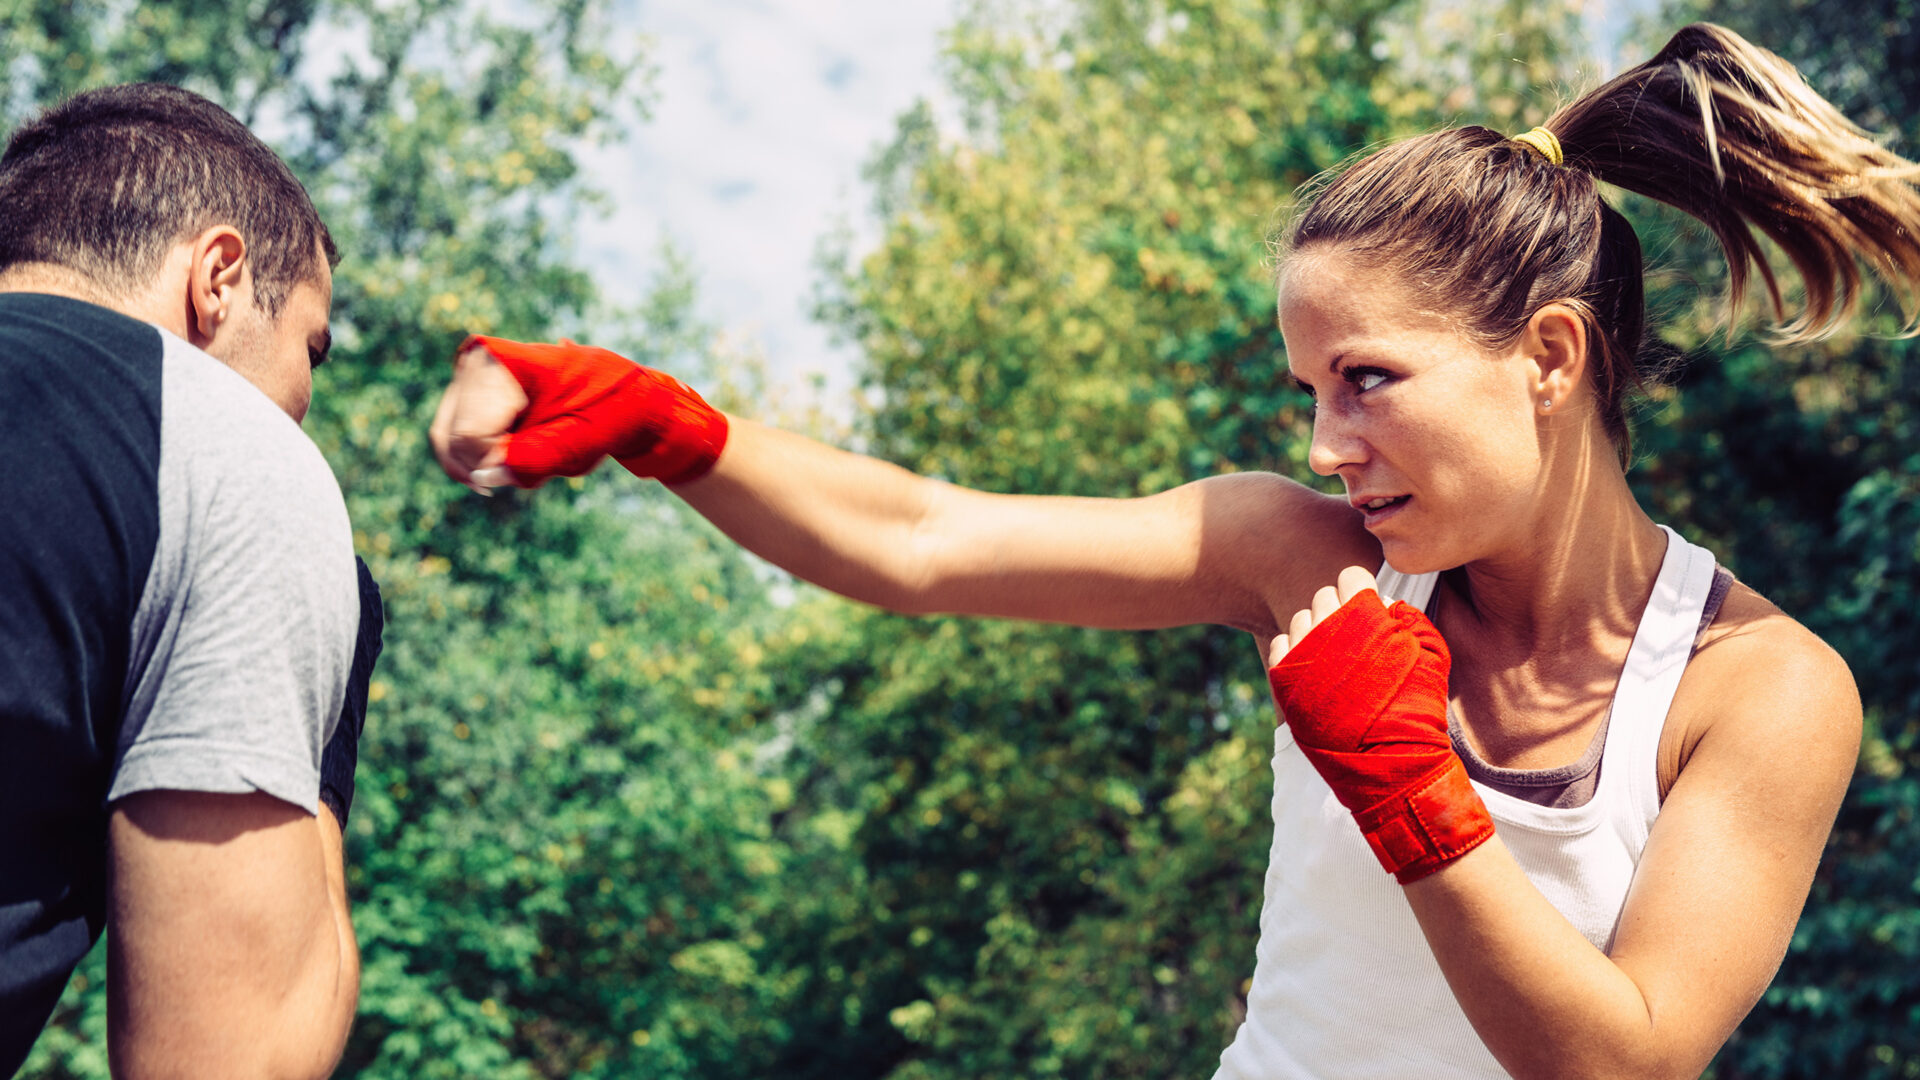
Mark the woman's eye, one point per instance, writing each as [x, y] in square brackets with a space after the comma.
[1364, 379]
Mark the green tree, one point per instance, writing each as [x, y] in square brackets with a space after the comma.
[1063, 832]
[558, 855]
[627, 810]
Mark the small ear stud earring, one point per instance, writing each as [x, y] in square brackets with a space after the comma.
[1546, 403]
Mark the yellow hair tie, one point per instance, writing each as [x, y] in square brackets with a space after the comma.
[1543, 142]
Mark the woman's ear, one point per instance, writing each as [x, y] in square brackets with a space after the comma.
[1556, 343]
[215, 278]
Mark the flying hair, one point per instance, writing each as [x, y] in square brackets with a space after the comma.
[1781, 160]
[1487, 229]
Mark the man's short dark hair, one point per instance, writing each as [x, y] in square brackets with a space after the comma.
[110, 179]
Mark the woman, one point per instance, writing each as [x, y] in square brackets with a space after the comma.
[1601, 771]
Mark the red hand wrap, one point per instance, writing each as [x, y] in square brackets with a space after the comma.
[1366, 695]
[584, 404]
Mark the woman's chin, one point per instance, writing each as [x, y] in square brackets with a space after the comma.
[1411, 557]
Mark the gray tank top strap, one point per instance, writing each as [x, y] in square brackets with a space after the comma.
[1716, 595]
[1570, 785]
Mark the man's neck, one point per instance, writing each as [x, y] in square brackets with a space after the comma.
[55, 280]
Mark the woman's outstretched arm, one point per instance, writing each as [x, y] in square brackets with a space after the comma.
[1229, 550]
[1206, 552]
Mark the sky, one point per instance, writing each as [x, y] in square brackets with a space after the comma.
[764, 113]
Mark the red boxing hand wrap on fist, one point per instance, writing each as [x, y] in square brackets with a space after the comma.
[584, 404]
[1365, 692]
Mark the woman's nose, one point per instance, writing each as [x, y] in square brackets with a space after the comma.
[1333, 445]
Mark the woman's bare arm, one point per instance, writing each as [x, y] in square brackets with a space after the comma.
[1229, 549]
[1235, 550]
[1714, 901]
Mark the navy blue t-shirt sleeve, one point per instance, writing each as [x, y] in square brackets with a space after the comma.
[80, 447]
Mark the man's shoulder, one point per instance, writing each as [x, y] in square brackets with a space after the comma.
[239, 480]
[216, 420]
[243, 638]
[238, 475]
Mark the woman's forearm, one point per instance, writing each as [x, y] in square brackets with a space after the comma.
[875, 532]
[846, 522]
[1544, 1000]
[1218, 550]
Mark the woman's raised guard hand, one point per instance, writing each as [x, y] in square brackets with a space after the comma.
[1364, 688]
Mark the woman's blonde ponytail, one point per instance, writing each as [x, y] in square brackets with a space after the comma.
[1733, 135]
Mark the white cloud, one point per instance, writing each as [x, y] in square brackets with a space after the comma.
[765, 111]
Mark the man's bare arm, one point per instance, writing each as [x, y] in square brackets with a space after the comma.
[230, 949]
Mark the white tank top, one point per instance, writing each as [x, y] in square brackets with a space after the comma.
[1344, 985]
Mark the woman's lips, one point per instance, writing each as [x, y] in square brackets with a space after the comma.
[1377, 509]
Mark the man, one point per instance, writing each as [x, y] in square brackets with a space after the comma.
[180, 612]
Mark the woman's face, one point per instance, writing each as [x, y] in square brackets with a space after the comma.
[1434, 437]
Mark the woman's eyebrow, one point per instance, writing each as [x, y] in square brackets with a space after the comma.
[1333, 367]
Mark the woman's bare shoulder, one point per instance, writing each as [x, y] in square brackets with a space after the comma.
[1759, 677]
[1752, 637]
[1280, 540]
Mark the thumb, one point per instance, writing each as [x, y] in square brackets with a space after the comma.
[1355, 580]
[470, 451]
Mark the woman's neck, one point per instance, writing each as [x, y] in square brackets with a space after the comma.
[1539, 634]
[1575, 579]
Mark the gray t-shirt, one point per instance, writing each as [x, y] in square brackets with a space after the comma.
[179, 612]
[245, 630]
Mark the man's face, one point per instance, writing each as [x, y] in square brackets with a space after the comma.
[278, 355]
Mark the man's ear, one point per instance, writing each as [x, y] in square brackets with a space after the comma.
[215, 275]
[1557, 343]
